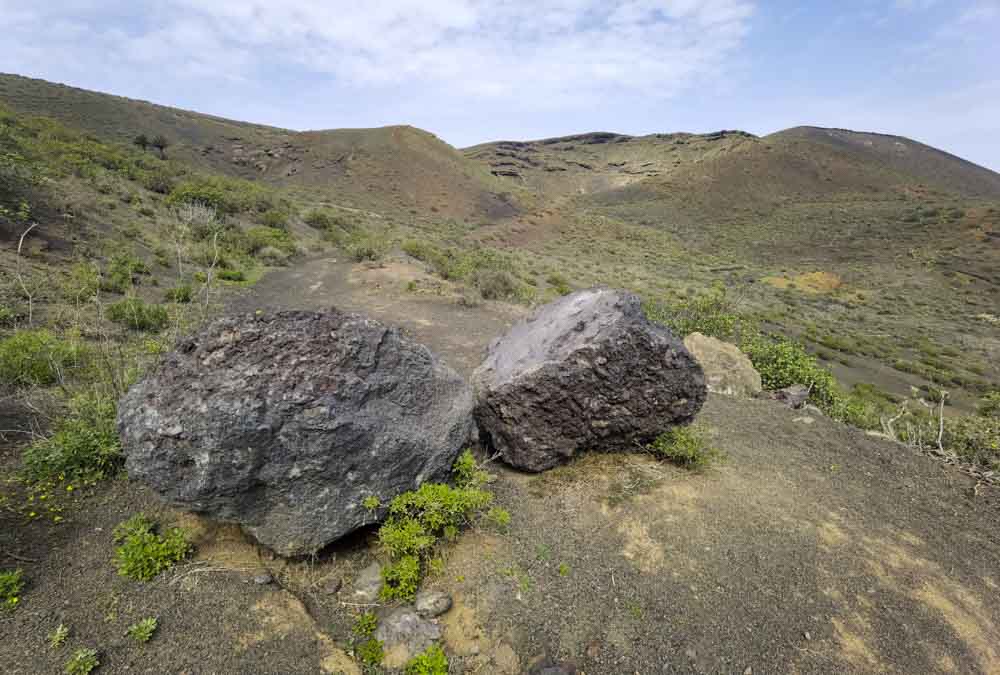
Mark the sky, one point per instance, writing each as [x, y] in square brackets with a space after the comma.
[477, 70]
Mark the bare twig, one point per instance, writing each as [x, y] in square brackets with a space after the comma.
[20, 277]
[944, 395]
[18, 557]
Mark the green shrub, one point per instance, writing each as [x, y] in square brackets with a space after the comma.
[135, 314]
[368, 246]
[227, 196]
[7, 317]
[712, 314]
[37, 358]
[559, 284]
[122, 273]
[84, 445]
[370, 652]
[142, 631]
[83, 661]
[142, 553]
[275, 218]
[419, 519]
[326, 219]
[989, 405]
[365, 625]
[401, 578]
[431, 662]
[231, 275]
[685, 446]
[180, 294]
[260, 237]
[782, 362]
[11, 585]
[974, 438]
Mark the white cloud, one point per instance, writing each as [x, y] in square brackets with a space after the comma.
[550, 52]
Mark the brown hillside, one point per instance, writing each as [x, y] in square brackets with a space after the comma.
[393, 169]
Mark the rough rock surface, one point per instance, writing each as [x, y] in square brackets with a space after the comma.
[404, 634]
[285, 422]
[367, 585]
[727, 370]
[588, 371]
[794, 396]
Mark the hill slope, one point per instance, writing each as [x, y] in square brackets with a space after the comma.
[396, 169]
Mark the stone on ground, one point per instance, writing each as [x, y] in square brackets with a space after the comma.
[727, 370]
[286, 422]
[587, 372]
[367, 585]
[404, 634]
[430, 604]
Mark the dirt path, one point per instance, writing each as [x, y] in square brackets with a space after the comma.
[812, 549]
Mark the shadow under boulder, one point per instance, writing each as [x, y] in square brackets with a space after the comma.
[588, 371]
[285, 423]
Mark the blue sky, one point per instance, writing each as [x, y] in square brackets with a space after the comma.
[477, 70]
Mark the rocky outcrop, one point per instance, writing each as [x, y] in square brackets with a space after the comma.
[587, 372]
[727, 370]
[286, 422]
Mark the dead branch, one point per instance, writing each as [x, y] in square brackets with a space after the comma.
[20, 277]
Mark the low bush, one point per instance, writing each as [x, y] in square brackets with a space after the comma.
[231, 275]
[180, 294]
[686, 446]
[989, 405]
[783, 362]
[974, 438]
[227, 196]
[431, 661]
[142, 553]
[37, 358]
[366, 648]
[559, 284]
[260, 237]
[135, 314]
[84, 445]
[275, 218]
[11, 585]
[713, 314]
[123, 272]
[492, 273]
[419, 519]
[368, 246]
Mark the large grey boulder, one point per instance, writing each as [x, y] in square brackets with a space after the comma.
[588, 371]
[286, 422]
[727, 369]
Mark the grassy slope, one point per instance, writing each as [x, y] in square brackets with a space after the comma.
[400, 170]
[909, 232]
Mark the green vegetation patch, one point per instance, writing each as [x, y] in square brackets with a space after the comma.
[37, 358]
[83, 661]
[143, 553]
[432, 661]
[493, 273]
[142, 631]
[136, 314]
[686, 446]
[11, 585]
[420, 519]
[84, 446]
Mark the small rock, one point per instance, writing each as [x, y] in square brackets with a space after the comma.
[432, 603]
[367, 585]
[263, 579]
[333, 586]
[690, 653]
[794, 396]
[748, 671]
[728, 371]
[807, 636]
[548, 667]
[404, 635]
[804, 419]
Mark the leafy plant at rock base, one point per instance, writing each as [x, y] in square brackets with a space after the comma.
[142, 553]
[365, 625]
[11, 585]
[685, 446]
[713, 314]
[370, 652]
[85, 445]
[83, 661]
[419, 519]
[432, 661]
[142, 631]
[366, 648]
[179, 294]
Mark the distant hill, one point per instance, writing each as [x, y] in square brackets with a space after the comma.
[398, 169]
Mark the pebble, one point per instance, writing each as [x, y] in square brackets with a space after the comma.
[432, 603]
[263, 579]
[332, 586]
